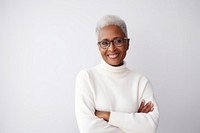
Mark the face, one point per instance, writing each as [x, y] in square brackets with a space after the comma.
[113, 55]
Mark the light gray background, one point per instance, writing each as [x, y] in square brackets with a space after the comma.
[44, 43]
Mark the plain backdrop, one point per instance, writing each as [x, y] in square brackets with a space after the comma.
[45, 43]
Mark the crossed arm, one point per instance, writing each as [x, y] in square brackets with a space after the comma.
[144, 120]
[144, 108]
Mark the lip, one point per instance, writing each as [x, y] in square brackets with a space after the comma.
[113, 55]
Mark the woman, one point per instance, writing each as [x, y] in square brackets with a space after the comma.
[110, 98]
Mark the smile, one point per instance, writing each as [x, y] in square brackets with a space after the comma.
[113, 56]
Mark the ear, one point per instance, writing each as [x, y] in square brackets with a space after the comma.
[127, 45]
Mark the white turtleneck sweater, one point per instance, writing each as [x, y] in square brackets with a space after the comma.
[119, 91]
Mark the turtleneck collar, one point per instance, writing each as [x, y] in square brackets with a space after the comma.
[116, 71]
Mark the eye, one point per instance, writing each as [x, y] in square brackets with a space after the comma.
[118, 41]
[105, 43]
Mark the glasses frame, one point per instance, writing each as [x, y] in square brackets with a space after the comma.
[112, 41]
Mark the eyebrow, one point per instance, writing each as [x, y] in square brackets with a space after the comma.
[112, 39]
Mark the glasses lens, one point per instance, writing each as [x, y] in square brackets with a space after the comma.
[118, 41]
[105, 44]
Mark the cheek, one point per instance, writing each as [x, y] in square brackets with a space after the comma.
[123, 51]
[102, 52]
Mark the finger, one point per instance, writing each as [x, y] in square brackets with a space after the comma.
[148, 107]
[141, 106]
[152, 109]
[144, 108]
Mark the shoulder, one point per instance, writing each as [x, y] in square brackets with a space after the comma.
[138, 75]
[87, 72]
[143, 82]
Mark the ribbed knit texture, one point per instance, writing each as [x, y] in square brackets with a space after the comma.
[117, 90]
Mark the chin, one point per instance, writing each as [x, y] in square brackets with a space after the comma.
[115, 64]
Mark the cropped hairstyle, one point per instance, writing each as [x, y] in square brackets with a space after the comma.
[111, 20]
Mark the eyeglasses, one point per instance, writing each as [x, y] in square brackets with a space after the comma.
[117, 42]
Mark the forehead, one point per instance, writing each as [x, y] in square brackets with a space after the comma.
[110, 32]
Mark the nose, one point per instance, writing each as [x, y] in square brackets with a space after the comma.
[111, 47]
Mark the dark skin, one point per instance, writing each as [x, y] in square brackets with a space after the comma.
[115, 56]
[144, 108]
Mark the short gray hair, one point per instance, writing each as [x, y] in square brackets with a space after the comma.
[111, 20]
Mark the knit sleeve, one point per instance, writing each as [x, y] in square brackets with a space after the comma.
[138, 122]
[85, 108]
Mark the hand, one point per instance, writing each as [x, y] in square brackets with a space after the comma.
[146, 108]
[103, 114]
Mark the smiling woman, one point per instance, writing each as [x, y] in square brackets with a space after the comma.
[110, 98]
[115, 52]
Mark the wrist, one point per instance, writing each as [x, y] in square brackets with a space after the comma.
[107, 116]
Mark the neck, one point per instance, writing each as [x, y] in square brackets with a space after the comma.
[117, 65]
[113, 71]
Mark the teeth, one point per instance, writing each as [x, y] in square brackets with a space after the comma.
[113, 55]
